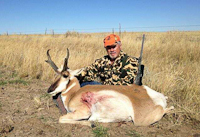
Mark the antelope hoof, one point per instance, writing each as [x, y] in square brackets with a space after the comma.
[167, 110]
[61, 120]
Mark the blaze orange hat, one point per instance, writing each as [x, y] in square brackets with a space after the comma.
[111, 39]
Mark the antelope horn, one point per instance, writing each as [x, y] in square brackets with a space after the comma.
[65, 67]
[49, 61]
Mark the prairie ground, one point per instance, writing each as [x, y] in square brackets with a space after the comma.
[27, 110]
[171, 62]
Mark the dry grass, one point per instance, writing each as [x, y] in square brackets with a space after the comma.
[171, 61]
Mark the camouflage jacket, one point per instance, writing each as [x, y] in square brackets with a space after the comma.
[118, 73]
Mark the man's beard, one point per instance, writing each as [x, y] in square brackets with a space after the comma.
[113, 57]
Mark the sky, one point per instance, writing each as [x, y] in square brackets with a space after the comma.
[36, 16]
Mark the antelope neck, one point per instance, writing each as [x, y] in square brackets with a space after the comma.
[73, 86]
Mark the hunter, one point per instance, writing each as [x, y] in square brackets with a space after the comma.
[116, 68]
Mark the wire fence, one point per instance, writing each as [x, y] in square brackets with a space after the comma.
[111, 30]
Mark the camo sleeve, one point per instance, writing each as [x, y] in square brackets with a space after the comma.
[90, 73]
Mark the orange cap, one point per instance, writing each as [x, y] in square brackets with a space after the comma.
[111, 39]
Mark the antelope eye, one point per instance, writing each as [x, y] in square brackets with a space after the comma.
[65, 76]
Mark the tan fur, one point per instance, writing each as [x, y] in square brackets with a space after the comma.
[143, 113]
[145, 110]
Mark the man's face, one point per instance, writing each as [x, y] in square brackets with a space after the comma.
[113, 51]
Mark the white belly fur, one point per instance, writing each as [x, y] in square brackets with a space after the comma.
[158, 98]
[112, 109]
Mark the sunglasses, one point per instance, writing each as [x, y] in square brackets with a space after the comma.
[111, 47]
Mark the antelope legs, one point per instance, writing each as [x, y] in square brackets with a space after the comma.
[81, 113]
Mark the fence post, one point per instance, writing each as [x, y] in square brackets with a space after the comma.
[46, 31]
[52, 32]
[119, 30]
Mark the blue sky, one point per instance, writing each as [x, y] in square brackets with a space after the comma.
[34, 16]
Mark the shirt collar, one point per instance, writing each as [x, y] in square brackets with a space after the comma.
[121, 56]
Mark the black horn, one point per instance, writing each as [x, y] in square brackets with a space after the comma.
[65, 67]
[49, 61]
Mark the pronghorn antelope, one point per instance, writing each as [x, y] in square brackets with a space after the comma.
[105, 103]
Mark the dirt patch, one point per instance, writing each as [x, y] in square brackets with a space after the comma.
[27, 110]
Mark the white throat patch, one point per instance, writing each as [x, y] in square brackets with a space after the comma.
[60, 88]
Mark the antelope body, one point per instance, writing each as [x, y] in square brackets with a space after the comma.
[106, 103]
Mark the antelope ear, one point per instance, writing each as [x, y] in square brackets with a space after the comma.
[77, 72]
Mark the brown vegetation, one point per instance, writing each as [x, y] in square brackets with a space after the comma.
[171, 61]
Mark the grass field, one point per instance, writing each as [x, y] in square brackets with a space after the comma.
[171, 61]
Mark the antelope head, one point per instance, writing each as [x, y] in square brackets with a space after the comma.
[65, 75]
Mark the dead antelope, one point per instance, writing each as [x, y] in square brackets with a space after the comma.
[105, 103]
